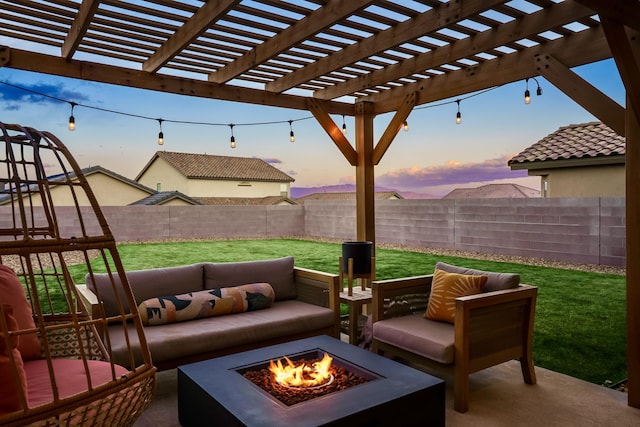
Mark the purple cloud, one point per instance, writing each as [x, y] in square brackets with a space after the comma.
[272, 161]
[452, 172]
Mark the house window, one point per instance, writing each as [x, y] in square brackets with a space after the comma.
[159, 187]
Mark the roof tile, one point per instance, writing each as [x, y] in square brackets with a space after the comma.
[593, 139]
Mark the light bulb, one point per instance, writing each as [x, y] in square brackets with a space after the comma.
[233, 142]
[344, 128]
[160, 138]
[527, 97]
[72, 123]
[405, 126]
[292, 137]
[458, 118]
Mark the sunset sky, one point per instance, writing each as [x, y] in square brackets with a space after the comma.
[434, 157]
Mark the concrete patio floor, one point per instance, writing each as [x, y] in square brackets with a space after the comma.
[498, 397]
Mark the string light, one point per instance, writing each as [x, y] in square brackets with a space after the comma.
[527, 94]
[458, 115]
[72, 120]
[292, 137]
[160, 134]
[344, 126]
[405, 126]
[232, 141]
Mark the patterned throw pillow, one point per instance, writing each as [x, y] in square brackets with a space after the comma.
[445, 288]
[207, 303]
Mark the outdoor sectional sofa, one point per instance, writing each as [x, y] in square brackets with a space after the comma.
[302, 303]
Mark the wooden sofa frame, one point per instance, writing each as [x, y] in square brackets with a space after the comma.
[489, 329]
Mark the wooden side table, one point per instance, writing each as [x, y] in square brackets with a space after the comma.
[355, 301]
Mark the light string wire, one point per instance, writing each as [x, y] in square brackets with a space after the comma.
[189, 122]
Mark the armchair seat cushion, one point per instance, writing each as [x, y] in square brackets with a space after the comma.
[430, 339]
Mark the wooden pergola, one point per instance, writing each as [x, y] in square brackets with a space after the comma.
[357, 58]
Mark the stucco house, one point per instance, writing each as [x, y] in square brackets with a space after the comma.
[203, 176]
[109, 188]
[581, 160]
[347, 195]
[493, 191]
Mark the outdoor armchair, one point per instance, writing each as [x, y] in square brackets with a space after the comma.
[489, 328]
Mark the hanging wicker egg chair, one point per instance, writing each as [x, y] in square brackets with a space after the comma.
[56, 364]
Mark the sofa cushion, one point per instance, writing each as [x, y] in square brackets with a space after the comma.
[495, 281]
[207, 303]
[247, 330]
[445, 288]
[277, 272]
[414, 333]
[145, 284]
[12, 376]
[12, 293]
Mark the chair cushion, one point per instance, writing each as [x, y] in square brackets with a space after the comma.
[414, 333]
[495, 281]
[12, 293]
[277, 272]
[445, 288]
[12, 376]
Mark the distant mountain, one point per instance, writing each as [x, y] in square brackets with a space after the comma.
[297, 192]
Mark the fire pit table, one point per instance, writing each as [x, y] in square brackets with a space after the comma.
[218, 392]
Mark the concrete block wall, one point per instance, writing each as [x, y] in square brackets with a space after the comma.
[583, 230]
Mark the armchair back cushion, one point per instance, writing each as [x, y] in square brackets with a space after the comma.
[145, 284]
[495, 281]
[277, 272]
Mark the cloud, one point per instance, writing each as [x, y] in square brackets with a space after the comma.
[452, 172]
[17, 95]
[272, 161]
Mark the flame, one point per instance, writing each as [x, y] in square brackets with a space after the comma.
[303, 374]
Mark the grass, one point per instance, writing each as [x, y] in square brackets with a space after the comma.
[580, 316]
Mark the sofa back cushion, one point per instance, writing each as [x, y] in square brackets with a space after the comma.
[146, 284]
[277, 272]
[495, 281]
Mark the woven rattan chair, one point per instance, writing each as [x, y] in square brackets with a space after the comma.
[68, 379]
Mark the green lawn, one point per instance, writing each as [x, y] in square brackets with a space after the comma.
[580, 316]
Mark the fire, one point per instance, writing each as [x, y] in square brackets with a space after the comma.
[302, 374]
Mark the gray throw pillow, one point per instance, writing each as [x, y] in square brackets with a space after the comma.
[495, 281]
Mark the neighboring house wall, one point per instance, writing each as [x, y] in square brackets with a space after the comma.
[586, 181]
[160, 172]
[231, 188]
[107, 190]
[583, 230]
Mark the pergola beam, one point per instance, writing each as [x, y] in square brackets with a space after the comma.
[207, 14]
[506, 33]
[79, 27]
[317, 21]
[625, 48]
[626, 12]
[578, 49]
[427, 22]
[322, 116]
[392, 128]
[57, 66]
[583, 93]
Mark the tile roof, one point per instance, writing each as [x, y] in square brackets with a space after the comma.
[579, 141]
[347, 195]
[493, 191]
[245, 201]
[207, 166]
[162, 197]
